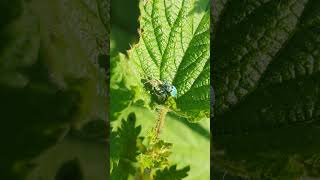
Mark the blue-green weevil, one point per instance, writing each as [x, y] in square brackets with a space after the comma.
[168, 89]
[161, 89]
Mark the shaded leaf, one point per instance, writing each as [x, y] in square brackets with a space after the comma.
[172, 173]
[266, 85]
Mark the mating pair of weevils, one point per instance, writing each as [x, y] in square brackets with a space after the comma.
[160, 90]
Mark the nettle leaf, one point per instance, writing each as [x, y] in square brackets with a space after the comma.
[174, 47]
[124, 149]
[172, 173]
[125, 87]
[194, 140]
[266, 84]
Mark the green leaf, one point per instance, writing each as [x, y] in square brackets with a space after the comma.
[132, 155]
[124, 148]
[266, 80]
[125, 86]
[154, 154]
[190, 143]
[174, 47]
[172, 173]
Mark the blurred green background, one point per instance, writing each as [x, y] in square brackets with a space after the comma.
[124, 25]
[52, 88]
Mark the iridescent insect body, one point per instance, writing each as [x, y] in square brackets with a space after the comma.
[161, 90]
[168, 89]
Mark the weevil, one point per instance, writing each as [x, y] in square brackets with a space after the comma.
[160, 89]
[168, 89]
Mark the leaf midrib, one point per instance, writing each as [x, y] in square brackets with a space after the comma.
[170, 36]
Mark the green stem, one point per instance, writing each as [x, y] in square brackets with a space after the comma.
[162, 115]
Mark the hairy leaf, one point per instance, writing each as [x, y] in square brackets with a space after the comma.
[266, 84]
[174, 47]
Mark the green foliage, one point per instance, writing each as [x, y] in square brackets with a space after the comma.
[174, 48]
[266, 79]
[130, 157]
[155, 153]
[172, 173]
[124, 86]
[124, 150]
[190, 141]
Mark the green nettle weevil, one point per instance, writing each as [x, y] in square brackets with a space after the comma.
[161, 90]
[168, 89]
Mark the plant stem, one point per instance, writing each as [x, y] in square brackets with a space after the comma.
[162, 115]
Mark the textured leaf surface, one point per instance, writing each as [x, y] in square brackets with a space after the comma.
[266, 80]
[174, 47]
